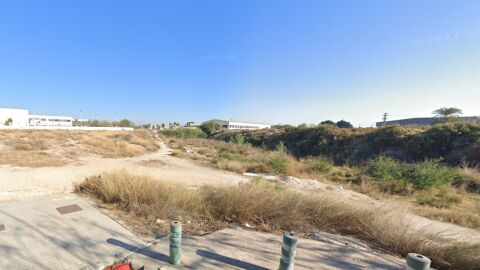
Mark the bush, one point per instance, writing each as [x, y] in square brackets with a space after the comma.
[427, 174]
[184, 133]
[344, 124]
[126, 123]
[278, 165]
[281, 147]
[224, 153]
[238, 139]
[430, 174]
[386, 168]
[322, 165]
[210, 128]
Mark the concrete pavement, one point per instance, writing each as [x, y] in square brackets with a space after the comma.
[251, 250]
[67, 232]
[59, 232]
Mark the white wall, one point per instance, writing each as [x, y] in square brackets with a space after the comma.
[237, 125]
[246, 125]
[70, 128]
[19, 117]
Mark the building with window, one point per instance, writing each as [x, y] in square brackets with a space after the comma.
[20, 118]
[237, 125]
[50, 120]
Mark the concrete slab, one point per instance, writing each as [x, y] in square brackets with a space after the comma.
[37, 236]
[243, 249]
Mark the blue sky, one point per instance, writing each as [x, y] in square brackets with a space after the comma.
[265, 61]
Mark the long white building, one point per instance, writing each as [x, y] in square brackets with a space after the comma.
[20, 118]
[237, 125]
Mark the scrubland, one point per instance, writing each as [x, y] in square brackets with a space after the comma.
[270, 207]
[429, 188]
[44, 148]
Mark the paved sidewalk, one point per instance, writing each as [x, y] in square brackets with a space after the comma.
[59, 232]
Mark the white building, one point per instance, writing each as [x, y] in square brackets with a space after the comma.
[50, 120]
[17, 118]
[20, 118]
[237, 125]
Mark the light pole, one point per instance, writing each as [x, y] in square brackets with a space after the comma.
[81, 120]
[34, 116]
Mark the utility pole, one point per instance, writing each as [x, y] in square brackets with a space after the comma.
[385, 117]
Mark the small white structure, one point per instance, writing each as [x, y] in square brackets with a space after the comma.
[15, 118]
[237, 125]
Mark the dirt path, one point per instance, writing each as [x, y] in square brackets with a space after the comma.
[21, 183]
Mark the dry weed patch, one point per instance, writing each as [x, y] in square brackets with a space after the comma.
[38, 148]
[269, 206]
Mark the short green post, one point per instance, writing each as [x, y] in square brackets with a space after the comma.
[175, 242]
[418, 262]
[289, 249]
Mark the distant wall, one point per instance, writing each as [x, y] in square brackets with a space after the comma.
[425, 121]
[70, 128]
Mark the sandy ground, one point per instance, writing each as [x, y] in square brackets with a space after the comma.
[22, 183]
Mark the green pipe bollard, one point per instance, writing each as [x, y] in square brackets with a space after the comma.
[175, 242]
[417, 262]
[289, 249]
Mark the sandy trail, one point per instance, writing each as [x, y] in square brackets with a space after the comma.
[22, 183]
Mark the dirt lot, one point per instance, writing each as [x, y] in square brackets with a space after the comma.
[19, 182]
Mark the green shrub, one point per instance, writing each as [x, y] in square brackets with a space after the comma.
[210, 128]
[281, 147]
[430, 173]
[8, 122]
[426, 174]
[386, 168]
[278, 165]
[224, 153]
[238, 139]
[322, 165]
[184, 133]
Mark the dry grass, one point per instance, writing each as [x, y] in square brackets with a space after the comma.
[271, 207]
[32, 159]
[154, 163]
[40, 148]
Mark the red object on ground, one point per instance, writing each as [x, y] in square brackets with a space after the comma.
[120, 266]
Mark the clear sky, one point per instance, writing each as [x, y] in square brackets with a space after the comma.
[266, 61]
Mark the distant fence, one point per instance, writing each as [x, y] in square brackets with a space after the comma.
[69, 128]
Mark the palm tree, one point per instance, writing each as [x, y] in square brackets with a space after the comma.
[446, 113]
